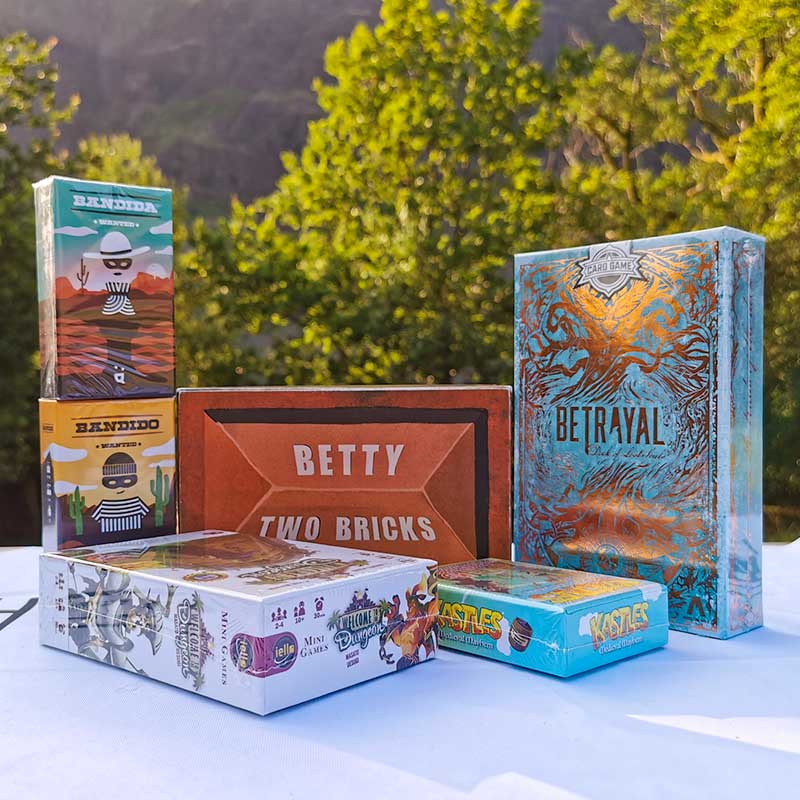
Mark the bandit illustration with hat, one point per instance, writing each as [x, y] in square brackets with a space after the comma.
[124, 514]
[117, 256]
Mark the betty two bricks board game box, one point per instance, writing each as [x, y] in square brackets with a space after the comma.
[108, 470]
[553, 620]
[257, 623]
[414, 471]
[639, 378]
[104, 263]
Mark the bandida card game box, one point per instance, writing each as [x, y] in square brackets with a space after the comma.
[104, 262]
[414, 471]
[254, 622]
[108, 471]
[639, 379]
[553, 620]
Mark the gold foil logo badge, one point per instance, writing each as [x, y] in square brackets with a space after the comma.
[610, 268]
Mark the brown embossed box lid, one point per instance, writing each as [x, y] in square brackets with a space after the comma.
[419, 471]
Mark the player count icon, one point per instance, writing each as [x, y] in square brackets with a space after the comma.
[117, 256]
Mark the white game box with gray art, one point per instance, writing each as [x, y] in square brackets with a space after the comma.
[254, 622]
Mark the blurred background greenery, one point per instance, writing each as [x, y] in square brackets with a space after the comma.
[440, 138]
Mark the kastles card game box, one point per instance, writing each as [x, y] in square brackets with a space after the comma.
[415, 471]
[258, 623]
[104, 258]
[553, 620]
[639, 381]
[108, 471]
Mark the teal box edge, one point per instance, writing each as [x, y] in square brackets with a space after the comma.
[562, 641]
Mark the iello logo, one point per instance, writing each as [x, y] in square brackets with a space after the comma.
[284, 652]
[610, 268]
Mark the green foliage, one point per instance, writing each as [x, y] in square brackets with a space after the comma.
[30, 121]
[76, 505]
[29, 126]
[118, 158]
[384, 254]
[701, 129]
[159, 488]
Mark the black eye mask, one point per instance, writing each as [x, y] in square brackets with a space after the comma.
[119, 481]
[117, 263]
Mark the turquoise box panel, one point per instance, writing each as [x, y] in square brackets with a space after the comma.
[638, 410]
[548, 619]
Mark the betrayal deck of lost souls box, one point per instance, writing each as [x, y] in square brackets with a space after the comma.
[104, 259]
[254, 622]
[638, 418]
[410, 470]
[560, 621]
[108, 470]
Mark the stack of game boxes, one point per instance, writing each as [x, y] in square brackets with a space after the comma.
[107, 342]
[331, 535]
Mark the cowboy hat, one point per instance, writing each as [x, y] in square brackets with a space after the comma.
[116, 245]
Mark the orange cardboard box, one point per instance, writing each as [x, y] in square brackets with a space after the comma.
[421, 472]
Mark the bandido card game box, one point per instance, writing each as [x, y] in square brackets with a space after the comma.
[104, 258]
[414, 471]
[108, 471]
[553, 620]
[254, 622]
[639, 380]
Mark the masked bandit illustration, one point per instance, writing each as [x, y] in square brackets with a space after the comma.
[107, 612]
[414, 631]
[123, 514]
[117, 256]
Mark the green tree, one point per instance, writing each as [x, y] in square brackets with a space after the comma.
[30, 123]
[117, 158]
[384, 254]
[30, 120]
[702, 128]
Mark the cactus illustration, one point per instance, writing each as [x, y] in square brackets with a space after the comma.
[83, 276]
[76, 506]
[159, 488]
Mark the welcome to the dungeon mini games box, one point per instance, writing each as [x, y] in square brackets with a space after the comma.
[638, 418]
[258, 623]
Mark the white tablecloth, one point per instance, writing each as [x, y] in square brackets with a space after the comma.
[700, 718]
